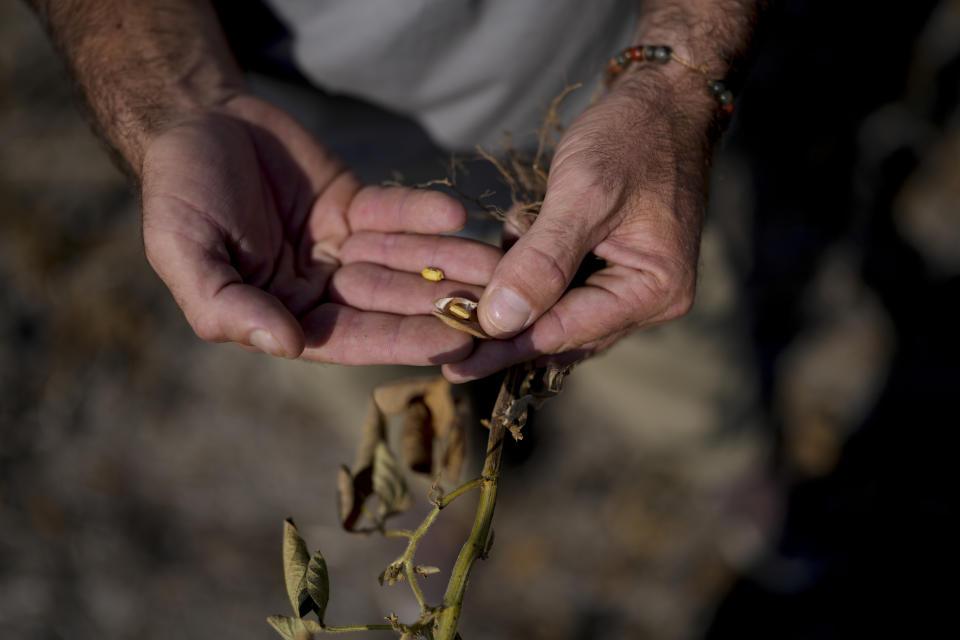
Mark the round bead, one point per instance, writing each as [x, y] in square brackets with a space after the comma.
[717, 87]
[727, 108]
[661, 54]
[621, 60]
[636, 53]
[725, 97]
[648, 52]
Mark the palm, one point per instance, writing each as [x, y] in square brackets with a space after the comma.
[254, 226]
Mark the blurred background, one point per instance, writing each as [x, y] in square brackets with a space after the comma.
[777, 463]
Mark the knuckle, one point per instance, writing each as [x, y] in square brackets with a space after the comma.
[680, 305]
[206, 329]
[677, 295]
[549, 273]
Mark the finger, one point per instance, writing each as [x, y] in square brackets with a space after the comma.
[587, 319]
[337, 333]
[460, 259]
[212, 295]
[393, 209]
[555, 332]
[536, 271]
[372, 287]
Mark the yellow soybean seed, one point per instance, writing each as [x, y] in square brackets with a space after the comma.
[433, 274]
[459, 310]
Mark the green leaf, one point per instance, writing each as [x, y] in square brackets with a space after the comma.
[316, 582]
[388, 482]
[286, 626]
[294, 628]
[308, 584]
[296, 558]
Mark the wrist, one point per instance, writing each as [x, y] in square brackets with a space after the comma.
[698, 43]
[669, 89]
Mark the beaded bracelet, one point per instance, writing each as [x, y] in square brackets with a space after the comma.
[662, 54]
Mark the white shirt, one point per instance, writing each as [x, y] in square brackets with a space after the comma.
[467, 70]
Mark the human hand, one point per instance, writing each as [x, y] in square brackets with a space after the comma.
[264, 238]
[627, 183]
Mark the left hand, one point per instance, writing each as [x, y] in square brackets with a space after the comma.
[627, 183]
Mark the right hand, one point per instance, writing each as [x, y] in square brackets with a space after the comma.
[265, 239]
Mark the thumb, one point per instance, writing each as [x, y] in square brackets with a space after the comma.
[219, 306]
[534, 273]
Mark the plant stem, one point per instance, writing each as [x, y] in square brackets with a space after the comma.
[459, 491]
[414, 537]
[359, 627]
[449, 618]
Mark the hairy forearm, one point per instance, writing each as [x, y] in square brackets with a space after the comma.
[141, 65]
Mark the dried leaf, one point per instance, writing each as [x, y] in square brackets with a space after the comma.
[426, 570]
[393, 620]
[295, 561]
[352, 492]
[392, 574]
[388, 482]
[374, 432]
[438, 397]
[346, 497]
[455, 445]
[417, 438]
[394, 397]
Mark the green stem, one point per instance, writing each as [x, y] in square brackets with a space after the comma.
[459, 491]
[472, 549]
[414, 585]
[359, 627]
[414, 538]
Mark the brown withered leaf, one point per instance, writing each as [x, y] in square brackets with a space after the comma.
[388, 482]
[416, 441]
[392, 574]
[539, 385]
[374, 432]
[455, 444]
[352, 492]
[426, 570]
[438, 396]
[394, 397]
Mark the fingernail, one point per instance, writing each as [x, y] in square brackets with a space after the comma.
[321, 252]
[507, 311]
[265, 341]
